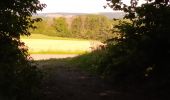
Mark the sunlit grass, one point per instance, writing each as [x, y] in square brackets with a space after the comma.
[49, 46]
[43, 44]
[58, 52]
[87, 61]
[41, 36]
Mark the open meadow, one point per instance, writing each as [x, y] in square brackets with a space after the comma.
[41, 44]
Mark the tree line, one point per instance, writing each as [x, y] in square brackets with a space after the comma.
[96, 27]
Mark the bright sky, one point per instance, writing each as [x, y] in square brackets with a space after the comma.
[76, 6]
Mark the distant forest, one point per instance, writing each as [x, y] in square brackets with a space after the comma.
[110, 15]
[91, 26]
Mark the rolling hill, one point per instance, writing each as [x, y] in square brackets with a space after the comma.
[110, 15]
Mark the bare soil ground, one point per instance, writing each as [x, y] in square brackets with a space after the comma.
[65, 82]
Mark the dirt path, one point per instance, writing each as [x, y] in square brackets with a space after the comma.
[49, 56]
[67, 83]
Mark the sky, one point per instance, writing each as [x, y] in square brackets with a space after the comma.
[76, 6]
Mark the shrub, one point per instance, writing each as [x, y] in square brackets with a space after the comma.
[19, 79]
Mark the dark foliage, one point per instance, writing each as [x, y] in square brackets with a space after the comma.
[140, 58]
[19, 79]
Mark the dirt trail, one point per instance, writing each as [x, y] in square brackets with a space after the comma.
[67, 83]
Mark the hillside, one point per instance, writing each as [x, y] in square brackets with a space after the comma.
[110, 15]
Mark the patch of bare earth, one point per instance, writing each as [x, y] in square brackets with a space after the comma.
[64, 82]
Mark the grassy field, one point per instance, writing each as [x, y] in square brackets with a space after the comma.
[41, 44]
[41, 36]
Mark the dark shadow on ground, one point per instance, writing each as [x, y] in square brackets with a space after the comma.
[63, 81]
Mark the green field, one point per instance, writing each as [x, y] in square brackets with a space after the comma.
[41, 44]
[41, 36]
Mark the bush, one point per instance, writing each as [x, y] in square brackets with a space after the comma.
[139, 61]
[19, 79]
